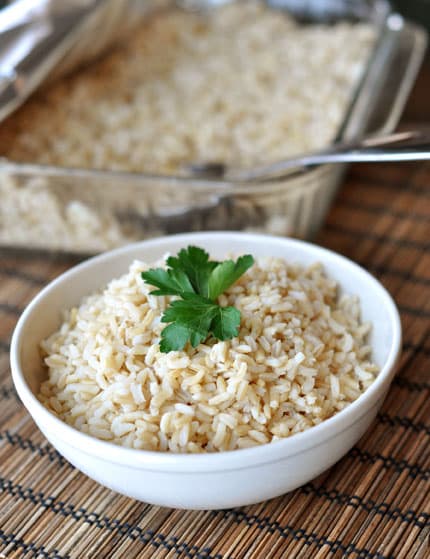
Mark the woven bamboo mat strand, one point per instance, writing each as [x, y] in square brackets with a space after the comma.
[374, 503]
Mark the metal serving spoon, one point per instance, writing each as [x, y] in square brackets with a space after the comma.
[400, 146]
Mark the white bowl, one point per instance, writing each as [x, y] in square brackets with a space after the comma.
[213, 480]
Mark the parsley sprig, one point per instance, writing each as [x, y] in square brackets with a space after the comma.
[198, 282]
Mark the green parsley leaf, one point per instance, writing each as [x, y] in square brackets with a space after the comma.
[174, 337]
[227, 273]
[169, 282]
[194, 314]
[225, 324]
[198, 282]
[194, 261]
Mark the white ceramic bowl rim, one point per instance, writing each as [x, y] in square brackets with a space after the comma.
[241, 458]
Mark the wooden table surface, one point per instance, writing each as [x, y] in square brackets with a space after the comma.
[374, 503]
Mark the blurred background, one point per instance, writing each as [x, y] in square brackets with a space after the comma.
[418, 10]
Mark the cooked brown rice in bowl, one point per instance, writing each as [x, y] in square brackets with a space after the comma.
[300, 357]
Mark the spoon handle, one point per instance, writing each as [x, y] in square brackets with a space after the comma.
[400, 146]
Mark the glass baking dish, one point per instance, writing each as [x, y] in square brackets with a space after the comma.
[87, 211]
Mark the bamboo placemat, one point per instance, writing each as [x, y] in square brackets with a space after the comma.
[372, 504]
